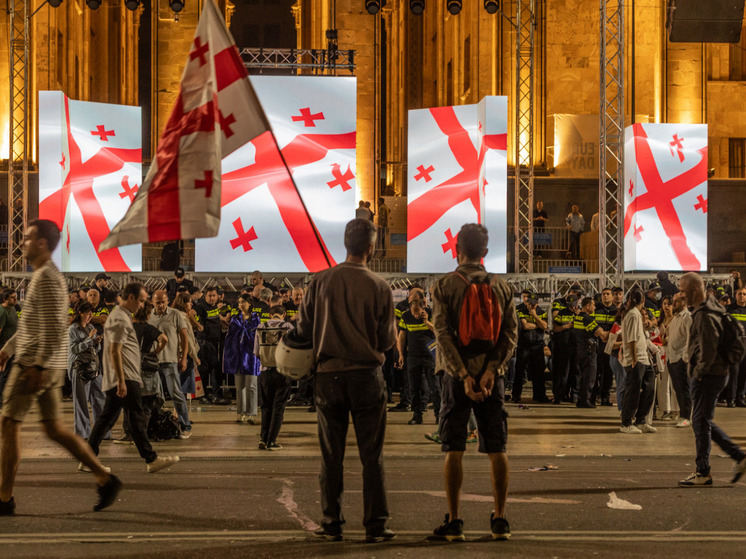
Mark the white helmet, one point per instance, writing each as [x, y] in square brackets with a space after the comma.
[294, 356]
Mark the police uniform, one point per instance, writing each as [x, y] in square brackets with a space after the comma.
[530, 355]
[420, 364]
[737, 381]
[209, 370]
[605, 317]
[404, 397]
[562, 349]
[262, 310]
[586, 344]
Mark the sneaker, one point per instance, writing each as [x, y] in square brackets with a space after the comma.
[630, 430]
[738, 470]
[274, 446]
[161, 463]
[124, 439]
[500, 527]
[450, 530]
[399, 407]
[667, 416]
[8, 508]
[331, 533]
[416, 420]
[683, 423]
[433, 437]
[645, 428]
[185, 434]
[251, 419]
[241, 418]
[262, 445]
[83, 468]
[107, 493]
[472, 438]
[221, 401]
[382, 535]
[696, 480]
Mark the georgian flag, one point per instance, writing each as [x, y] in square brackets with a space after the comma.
[216, 112]
[665, 197]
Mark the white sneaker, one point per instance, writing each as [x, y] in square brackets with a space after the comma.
[683, 423]
[161, 463]
[645, 428]
[630, 430]
[738, 470]
[83, 468]
[185, 434]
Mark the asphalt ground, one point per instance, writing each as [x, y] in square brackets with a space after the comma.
[232, 500]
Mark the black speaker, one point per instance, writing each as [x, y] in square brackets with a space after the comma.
[704, 21]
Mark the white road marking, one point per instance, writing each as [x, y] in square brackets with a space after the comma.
[288, 501]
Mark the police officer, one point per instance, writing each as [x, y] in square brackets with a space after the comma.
[562, 323]
[738, 372]
[653, 298]
[605, 315]
[530, 350]
[399, 310]
[586, 331]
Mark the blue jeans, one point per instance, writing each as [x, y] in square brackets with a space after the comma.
[173, 383]
[704, 398]
[620, 376]
[83, 394]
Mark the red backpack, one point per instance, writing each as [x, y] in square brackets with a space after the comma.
[481, 316]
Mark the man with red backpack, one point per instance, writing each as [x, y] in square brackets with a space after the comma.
[477, 330]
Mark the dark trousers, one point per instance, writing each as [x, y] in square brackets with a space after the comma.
[604, 376]
[575, 244]
[361, 393]
[134, 412]
[529, 362]
[639, 393]
[420, 382]
[587, 363]
[274, 389]
[209, 370]
[680, 383]
[704, 398]
[734, 390]
[388, 372]
[560, 368]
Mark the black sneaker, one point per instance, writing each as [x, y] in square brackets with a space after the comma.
[107, 493]
[450, 530]
[8, 508]
[500, 528]
[331, 533]
[380, 535]
[416, 420]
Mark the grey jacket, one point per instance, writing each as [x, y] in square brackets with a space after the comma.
[707, 327]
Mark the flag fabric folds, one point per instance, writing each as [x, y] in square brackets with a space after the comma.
[216, 112]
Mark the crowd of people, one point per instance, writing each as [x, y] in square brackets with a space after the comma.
[466, 345]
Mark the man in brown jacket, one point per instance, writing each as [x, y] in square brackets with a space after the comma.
[348, 312]
[473, 382]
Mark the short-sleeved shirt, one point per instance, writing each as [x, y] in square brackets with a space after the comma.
[8, 323]
[262, 310]
[119, 329]
[530, 337]
[605, 316]
[209, 317]
[101, 310]
[291, 309]
[170, 323]
[419, 336]
[653, 307]
[561, 317]
[584, 327]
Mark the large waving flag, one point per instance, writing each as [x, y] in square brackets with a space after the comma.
[216, 112]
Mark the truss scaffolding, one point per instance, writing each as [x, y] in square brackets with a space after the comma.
[319, 60]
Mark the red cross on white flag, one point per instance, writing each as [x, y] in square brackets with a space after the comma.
[216, 112]
[665, 219]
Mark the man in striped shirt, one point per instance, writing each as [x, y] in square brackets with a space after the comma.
[38, 372]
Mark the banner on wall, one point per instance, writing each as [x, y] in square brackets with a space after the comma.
[90, 167]
[665, 197]
[457, 174]
[265, 224]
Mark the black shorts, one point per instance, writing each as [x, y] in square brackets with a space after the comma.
[492, 419]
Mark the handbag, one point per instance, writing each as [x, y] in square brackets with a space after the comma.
[85, 365]
[149, 365]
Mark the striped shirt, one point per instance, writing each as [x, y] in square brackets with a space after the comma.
[41, 339]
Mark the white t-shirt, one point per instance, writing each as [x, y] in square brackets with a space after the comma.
[118, 329]
[633, 331]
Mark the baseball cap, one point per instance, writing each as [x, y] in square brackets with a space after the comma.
[179, 272]
[102, 275]
[654, 286]
[572, 301]
[531, 297]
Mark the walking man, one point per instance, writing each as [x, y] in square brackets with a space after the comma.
[38, 372]
[348, 312]
[708, 374]
[122, 381]
[474, 382]
[172, 323]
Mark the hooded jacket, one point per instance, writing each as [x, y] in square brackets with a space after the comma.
[704, 338]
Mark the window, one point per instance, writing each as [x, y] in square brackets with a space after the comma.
[467, 64]
[449, 83]
[737, 158]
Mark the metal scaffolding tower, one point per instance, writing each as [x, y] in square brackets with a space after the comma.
[18, 152]
[611, 149]
[525, 24]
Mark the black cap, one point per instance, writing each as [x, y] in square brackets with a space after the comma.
[572, 301]
[654, 286]
[179, 272]
[531, 297]
[102, 275]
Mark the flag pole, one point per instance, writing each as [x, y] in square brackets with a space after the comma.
[303, 203]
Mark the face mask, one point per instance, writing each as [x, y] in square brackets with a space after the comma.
[658, 296]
